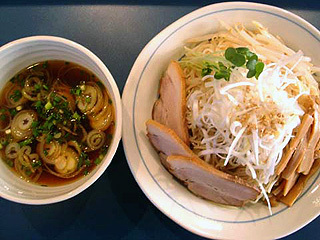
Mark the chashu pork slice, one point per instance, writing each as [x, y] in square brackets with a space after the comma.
[201, 178]
[170, 108]
[205, 181]
[166, 141]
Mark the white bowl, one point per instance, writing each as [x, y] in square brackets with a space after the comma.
[21, 53]
[195, 214]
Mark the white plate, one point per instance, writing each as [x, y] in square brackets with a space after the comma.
[194, 214]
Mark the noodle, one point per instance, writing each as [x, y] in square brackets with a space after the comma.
[243, 123]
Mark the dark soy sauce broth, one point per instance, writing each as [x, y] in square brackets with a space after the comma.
[58, 87]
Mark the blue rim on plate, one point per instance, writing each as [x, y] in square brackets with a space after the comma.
[134, 105]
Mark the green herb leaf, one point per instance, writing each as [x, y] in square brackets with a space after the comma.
[221, 66]
[36, 164]
[234, 57]
[221, 71]
[48, 106]
[13, 112]
[28, 172]
[238, 60]
[34, 124]
[16, 96]
[26, 142]
[38, 104]
[242, 50]
[3, 117]
[5, 142]
[57, 99]
[35, 132]
[252, 57]
[251, 64]
[37, 87]
[207, 70]
[9, 162]
[229, 53]
[220, 75]
[87, 162]
[82, 159]
[88, 99]
[49, 138]
[78, 91]
[259, 69]
[98, 160]
[251, 73]
[76, 116]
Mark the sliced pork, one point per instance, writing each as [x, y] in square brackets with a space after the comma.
[170, 108]
[201, 178]
[166, 140]
[206, 181]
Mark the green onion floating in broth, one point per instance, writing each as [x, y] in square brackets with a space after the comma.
[55, 121]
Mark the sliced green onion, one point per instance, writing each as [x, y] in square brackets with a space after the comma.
[48, 106]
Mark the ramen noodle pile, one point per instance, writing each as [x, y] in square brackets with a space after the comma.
[251, 113]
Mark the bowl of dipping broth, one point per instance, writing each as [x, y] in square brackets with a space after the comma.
[60, 119]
